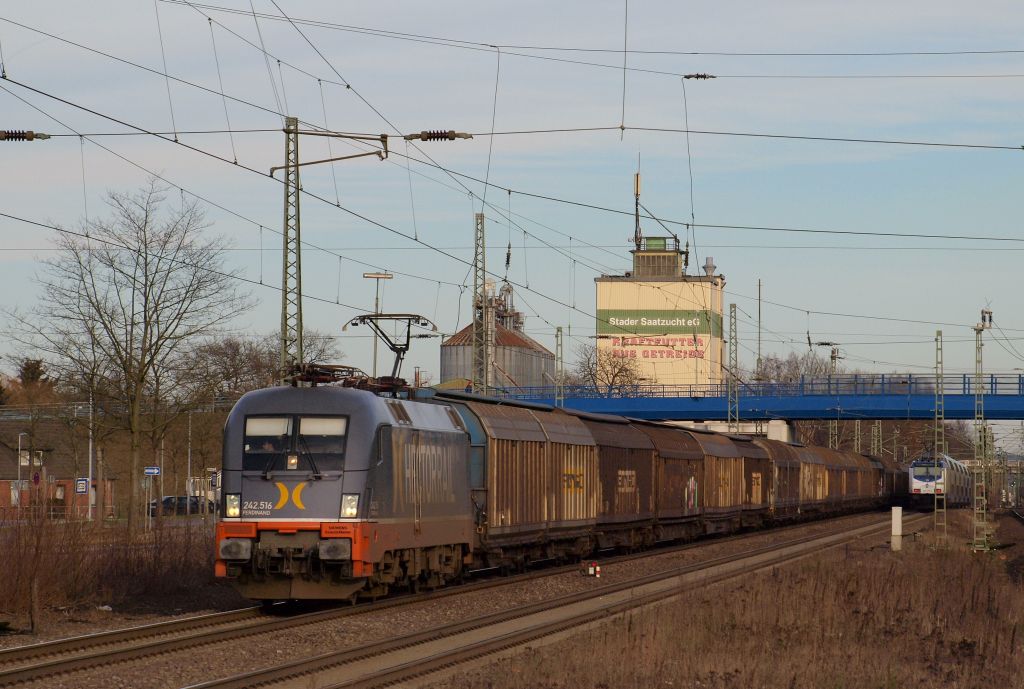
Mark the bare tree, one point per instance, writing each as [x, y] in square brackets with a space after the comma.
[789, 369]
[608, 374]
[124, 302]
[233, 365]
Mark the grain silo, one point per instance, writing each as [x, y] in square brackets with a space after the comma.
[668, 322]
[517, 360]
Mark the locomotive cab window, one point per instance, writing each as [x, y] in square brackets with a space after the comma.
[323, 439]
[265, 438]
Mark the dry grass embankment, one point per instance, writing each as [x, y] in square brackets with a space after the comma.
[860, 618]
[73, 565]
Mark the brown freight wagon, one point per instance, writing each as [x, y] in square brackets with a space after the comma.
[836, 465]
[812, 479]
[542, 483]
[625, 458]
[861, 483]
[894, 480]
[723, 481]
[784, 496]
[756, 480]
[679, 476]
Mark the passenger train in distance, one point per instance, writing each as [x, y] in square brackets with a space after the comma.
[335, 492]
[933, 473]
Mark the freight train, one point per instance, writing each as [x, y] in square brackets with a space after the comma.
[930, 474]
[338, 493]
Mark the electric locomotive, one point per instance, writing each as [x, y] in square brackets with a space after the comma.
[938, 473]
[333, 492]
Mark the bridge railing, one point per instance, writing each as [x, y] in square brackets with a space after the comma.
[842, 384]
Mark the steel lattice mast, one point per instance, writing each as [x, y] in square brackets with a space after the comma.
[939, 441]
[559, 369]
[732, 381]
[833, 424]
[291, 273]
[483, 322]
[980, 490]
[291, 287]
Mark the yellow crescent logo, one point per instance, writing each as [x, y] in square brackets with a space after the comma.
[297, 496]
[283, 499]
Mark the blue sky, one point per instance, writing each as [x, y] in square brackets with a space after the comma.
[416, 85]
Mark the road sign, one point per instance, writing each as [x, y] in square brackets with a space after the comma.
[151, 471]
[81, 486]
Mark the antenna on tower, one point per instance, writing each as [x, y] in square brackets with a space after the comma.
[637, 234]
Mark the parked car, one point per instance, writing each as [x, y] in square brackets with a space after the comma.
[181, 504]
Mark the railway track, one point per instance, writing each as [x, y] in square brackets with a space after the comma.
[40, 661]
[35, 661]
[414, 656]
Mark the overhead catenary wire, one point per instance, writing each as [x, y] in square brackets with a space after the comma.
[85, 195]
[423, 247]
[759, 228]
[625, 45]
[602, 247]
[564, 130]
[156, 72]
[192, 193]
[284, 91]
[412, 197]
[968, 238]
[637, 51]
[1015, 353]
[760, 135]
[234, 276]
[306, 192]
[445, 253]
[453, 174]
[407, 160]
[220, 81]
[170, 133]
[349, 86]
[163, 57]
[689, 167]
[490, 142]
[266, 60]
[330, 151]
[510, 49]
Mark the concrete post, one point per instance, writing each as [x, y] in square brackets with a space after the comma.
[897, 529]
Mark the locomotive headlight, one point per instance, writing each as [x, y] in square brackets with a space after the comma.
[349, 505]
[232, 505]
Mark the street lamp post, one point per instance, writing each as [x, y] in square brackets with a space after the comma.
[19, 468]
[376, 308]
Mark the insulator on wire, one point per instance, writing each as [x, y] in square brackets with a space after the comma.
[21, 135]
[438, 135]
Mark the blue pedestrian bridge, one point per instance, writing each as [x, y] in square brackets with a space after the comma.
[844, 397]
